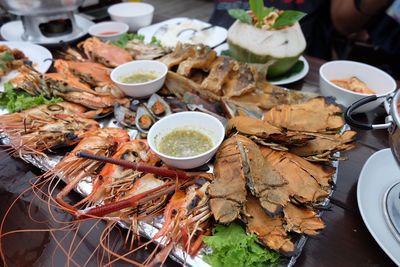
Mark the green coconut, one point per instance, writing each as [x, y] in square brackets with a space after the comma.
[280, 49]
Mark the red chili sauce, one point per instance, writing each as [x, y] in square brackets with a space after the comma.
[108, 33]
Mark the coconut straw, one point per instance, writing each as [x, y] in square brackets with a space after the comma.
[136, 166]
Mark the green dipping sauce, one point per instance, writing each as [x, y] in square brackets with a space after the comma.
[184, 143]
[139, 77]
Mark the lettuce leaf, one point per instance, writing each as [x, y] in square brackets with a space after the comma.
[155, 41]
[124, 39]
[231, 246]
[15, 101]
[7, 56]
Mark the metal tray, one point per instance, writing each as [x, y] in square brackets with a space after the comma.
[148, 230]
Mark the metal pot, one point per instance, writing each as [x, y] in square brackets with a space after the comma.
[46, 21]
[391, 200]
[392, 121]
[39, 7]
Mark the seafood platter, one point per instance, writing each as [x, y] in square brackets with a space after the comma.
[268, 182]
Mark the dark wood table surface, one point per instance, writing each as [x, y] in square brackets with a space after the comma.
[345, 241]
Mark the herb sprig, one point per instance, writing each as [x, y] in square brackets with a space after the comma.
[288, 17]
[285, 18]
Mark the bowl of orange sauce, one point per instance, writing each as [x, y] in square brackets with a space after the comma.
[350, 81]
[108, 30]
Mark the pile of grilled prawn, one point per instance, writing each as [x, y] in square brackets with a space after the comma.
[272, 172]
[277, 169]
[83, 81]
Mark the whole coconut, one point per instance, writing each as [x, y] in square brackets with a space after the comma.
[279, 48]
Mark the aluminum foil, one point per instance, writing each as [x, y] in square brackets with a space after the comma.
[148, 230]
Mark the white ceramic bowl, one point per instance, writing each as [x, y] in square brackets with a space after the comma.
[108, 30]
[136, 15]
[140, 90]
[375, 79]
[205, 123]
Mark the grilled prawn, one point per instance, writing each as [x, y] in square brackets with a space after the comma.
[65, 130]
[73, 169]
[66, 86]
[91, 73]
[106, 54]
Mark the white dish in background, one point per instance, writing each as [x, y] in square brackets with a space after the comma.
[211, 37]
[117, 29]
[136, 15]
[379, 172]
[13, 30]
[223, 47]
[40, 56]
[293, 78]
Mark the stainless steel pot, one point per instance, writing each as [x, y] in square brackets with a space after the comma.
[46, 21]
[40, 7]
[391, 199]
[392, 121]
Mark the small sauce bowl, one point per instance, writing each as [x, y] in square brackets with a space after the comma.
[192, 120]
[140, 90]
[109, 30]
[373, 77]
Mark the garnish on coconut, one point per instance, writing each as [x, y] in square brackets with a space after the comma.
[266, 35]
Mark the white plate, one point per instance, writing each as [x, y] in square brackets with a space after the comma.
[35, 53]
[216, 36]
[380, 171]
[293, 78]
[219, 49]
[13, 30]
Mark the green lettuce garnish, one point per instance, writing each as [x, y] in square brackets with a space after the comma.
[155, 40]
[7, 56]
[125, 38]
[15, 101]
[231, 246]
[286, 18]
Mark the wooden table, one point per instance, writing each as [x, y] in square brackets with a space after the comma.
[345, 241]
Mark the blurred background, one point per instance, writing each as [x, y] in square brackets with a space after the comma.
[362, 30]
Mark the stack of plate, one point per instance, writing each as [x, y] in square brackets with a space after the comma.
[377, 177]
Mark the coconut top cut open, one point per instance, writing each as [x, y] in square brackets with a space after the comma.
[265, 35]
